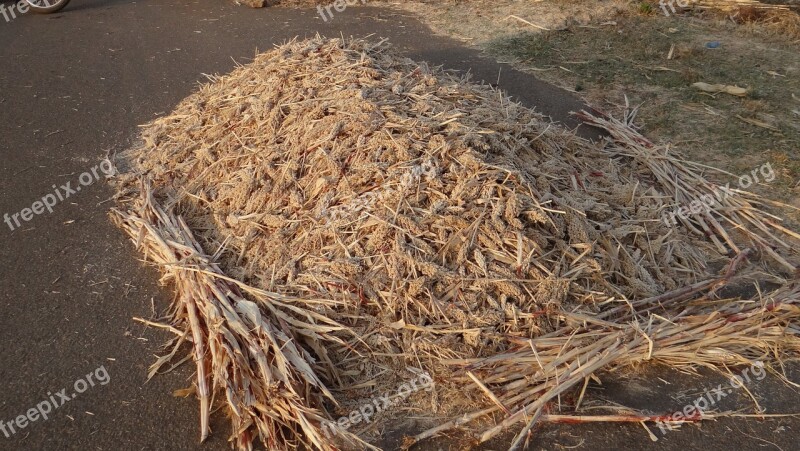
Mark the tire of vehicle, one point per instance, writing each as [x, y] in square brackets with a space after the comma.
[46, 6]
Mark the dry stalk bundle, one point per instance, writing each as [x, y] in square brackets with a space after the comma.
[728, 208]
[683, 333]
[332, 214]
[246, 355]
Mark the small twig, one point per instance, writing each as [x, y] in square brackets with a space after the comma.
[529, 23]
[522, 437]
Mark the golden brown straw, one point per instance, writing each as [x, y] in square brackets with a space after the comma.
[333, 214]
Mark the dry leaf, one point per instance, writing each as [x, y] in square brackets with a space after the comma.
[184, 392]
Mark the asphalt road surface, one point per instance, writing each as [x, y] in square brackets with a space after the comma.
[74, 86]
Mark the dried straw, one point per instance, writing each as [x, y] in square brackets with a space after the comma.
[332, 214]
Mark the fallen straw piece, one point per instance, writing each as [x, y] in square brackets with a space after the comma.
[716, 88]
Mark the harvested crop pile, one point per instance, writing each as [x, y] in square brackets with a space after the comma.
[332, 214]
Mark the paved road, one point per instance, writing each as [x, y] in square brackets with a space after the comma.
[74, 86]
